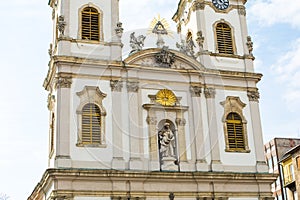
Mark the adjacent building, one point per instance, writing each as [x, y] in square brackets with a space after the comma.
[275, 151]
[161, 123]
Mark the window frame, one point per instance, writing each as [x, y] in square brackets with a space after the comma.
[232, 38]
[234, 105]
[100, 23]
[91, 95]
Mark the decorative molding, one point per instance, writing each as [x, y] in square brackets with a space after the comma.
[253, 95]
[209, 92]
[63, 82]
[61, 24]
[132, 86]
[196, 91]
[116, 85]
[165, 58]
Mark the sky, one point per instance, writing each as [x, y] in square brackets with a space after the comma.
[27, 32]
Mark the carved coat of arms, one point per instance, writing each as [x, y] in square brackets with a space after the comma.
[165, 58]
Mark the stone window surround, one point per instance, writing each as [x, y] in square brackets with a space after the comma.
[91, 94]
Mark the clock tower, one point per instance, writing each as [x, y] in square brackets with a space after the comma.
[219, 27]
[160, 123]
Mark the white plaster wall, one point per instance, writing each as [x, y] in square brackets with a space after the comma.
[101, 155]
[231, 158]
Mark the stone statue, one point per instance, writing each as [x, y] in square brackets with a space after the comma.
[167, 141]
[136, 43]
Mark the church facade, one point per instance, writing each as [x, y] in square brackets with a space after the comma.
[161, 123]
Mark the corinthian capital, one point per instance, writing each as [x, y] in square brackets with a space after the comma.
[63, 82]
[116, 85]
[253, 95]
[210, 92]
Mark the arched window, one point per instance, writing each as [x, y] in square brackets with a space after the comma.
[235, 132]
[91, 124]
[90, 24]
[224, 39]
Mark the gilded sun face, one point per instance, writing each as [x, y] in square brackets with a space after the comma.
[166, 97]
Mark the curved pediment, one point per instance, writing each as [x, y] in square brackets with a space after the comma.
[163, 58]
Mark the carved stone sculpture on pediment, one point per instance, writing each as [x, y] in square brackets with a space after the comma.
[209, 92]
[136, 43]
[253, 95]
[116, 85]
[165, 58]
[63, 82]
[50, 101]
[250, 45]
[50, 50]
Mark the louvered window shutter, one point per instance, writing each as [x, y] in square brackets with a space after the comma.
[90, 24]
[91, 124]
[224, 39]
[235, 132]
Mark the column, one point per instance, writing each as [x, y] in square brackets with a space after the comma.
[153, 140]
[213, 131]
[253, 96]
[63, 87]
[118, 161]
[201, 164]
[135, 131]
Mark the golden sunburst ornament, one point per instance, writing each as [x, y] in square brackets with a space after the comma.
[166, 97]
[160, 26]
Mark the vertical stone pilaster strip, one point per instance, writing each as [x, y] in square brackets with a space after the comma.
[153, 139]
[116, 92]
[198, 125]
[212, 125]
[253, 96]
[63, 86]
[180, 121]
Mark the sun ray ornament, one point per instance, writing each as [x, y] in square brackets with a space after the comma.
[159, 26]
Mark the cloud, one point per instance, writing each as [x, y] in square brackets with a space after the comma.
[270, 12]
[287, 70]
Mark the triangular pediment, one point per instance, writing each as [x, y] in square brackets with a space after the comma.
[163, 58]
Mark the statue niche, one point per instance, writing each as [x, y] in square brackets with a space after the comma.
[167, 146]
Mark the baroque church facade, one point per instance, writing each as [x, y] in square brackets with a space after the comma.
[160, 123]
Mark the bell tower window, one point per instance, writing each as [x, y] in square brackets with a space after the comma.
[91, 124]
[224, 39]
[90, 24]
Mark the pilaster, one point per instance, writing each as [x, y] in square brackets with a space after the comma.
[212, 126]
[118, 161]
[135, 139]
[201, 164]
[63, 87]
[253, 96]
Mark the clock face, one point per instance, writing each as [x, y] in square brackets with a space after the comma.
[221, 4]
[166, 97]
